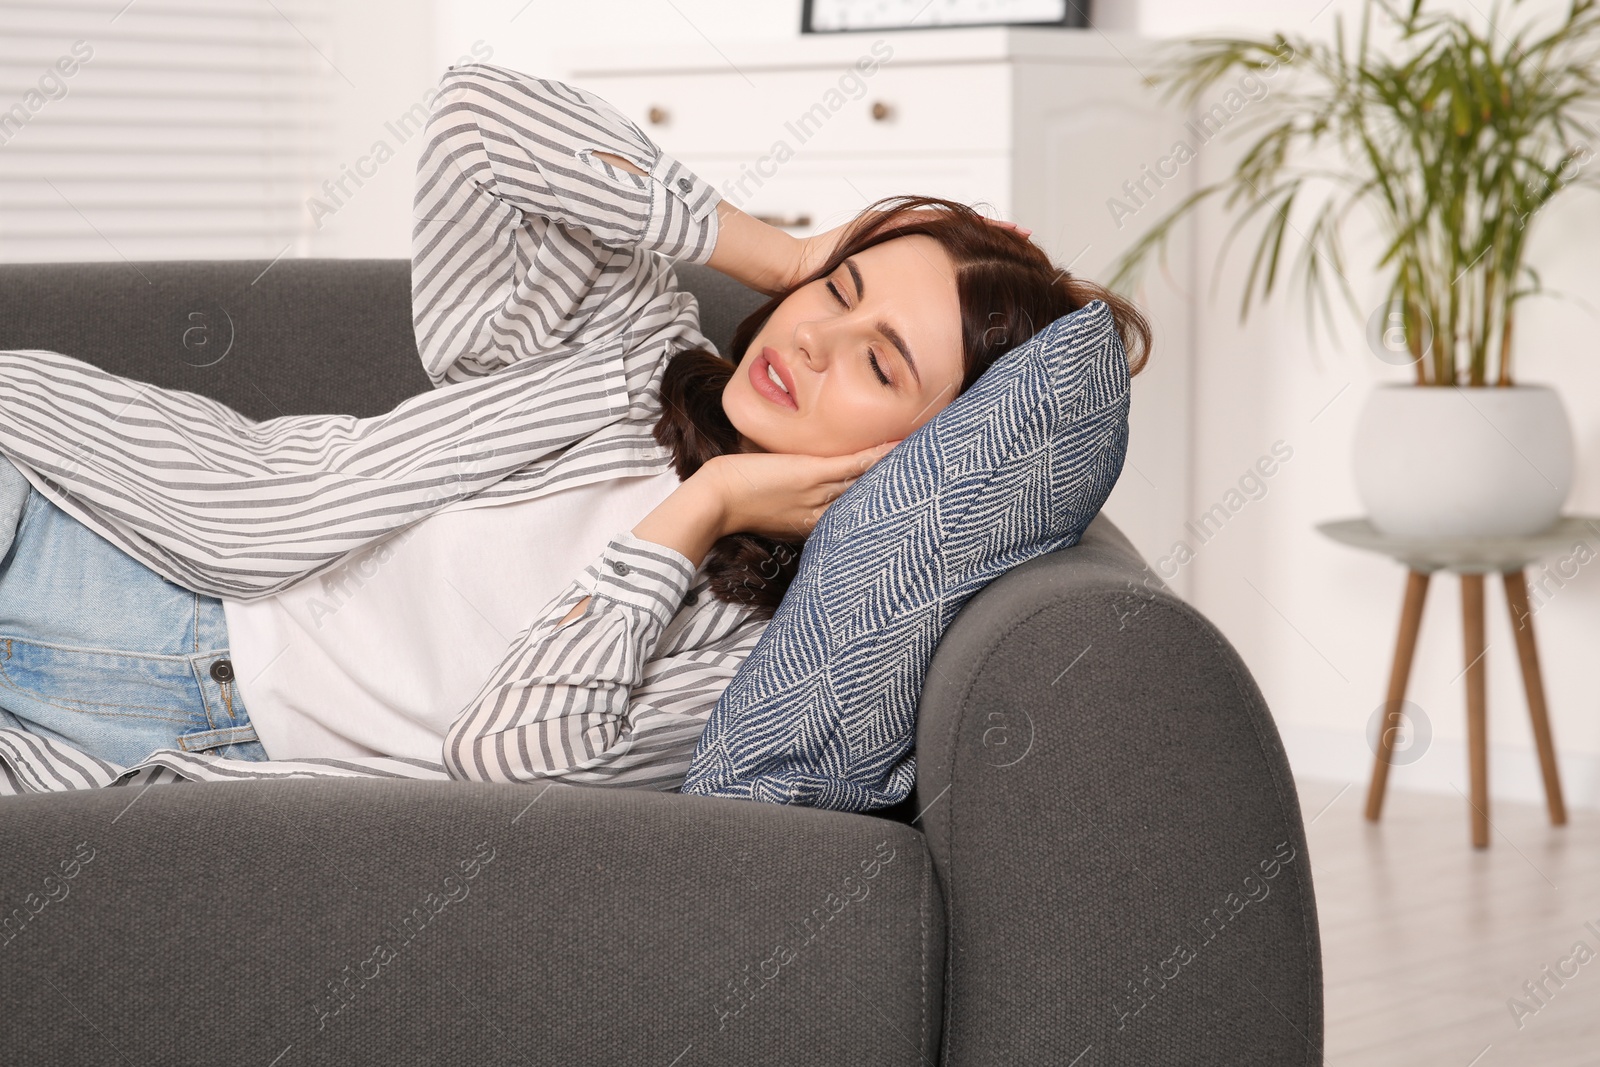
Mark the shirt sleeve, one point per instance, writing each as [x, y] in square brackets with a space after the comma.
[596, 700]
[31, 763]
[524, 244]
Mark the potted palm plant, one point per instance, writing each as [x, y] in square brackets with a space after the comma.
[1453, 137]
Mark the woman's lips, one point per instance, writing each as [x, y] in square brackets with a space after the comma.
[766, 386]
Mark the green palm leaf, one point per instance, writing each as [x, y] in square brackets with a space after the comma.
[1454, 140]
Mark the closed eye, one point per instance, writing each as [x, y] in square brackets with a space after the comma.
[872, 356]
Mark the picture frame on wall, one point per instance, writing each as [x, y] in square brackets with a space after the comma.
[843, 16]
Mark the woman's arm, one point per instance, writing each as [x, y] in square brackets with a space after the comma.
[772, 494]
[594, 699]
[569, 695]
[751, 252]
[689, 522]
[522, 237]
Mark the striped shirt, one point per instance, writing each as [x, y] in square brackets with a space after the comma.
[538, 271]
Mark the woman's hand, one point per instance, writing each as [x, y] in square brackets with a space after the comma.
[812, 252]
[762, 257]
[782, 495]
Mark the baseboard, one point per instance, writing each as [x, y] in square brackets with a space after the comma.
[1343, 755]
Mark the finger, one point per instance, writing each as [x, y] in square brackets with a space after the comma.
[860, 462]
[1011, 226]
[870, 455]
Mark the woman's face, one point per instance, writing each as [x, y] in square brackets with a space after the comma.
[902, 290]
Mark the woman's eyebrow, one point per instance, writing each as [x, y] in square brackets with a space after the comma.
[883, 327]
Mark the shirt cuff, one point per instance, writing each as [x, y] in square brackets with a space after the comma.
[644, 575]
[688, 231]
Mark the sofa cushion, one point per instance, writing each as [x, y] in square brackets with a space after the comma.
[823, 710]
[341, 920]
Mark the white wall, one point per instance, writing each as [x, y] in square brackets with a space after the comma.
[385, 53]
[1314, 621]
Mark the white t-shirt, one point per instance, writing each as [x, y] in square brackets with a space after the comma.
[381, 654]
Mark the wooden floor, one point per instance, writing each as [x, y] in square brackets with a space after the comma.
[1427, 941]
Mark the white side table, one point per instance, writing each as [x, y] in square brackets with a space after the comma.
[1471, 558]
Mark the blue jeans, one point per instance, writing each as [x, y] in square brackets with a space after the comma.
[101, 652]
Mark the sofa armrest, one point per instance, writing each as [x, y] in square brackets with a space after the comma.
[1115, 829]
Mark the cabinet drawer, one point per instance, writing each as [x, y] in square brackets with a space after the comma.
[950, 108]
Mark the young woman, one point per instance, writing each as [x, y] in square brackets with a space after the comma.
[331, 595]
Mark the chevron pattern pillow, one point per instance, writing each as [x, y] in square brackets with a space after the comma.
[823, 712]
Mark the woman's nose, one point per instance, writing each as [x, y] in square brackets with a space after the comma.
[813, 344]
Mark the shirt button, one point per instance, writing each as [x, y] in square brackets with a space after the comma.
[620, 567]
[692, 598]
[685, 184]
[222, 670]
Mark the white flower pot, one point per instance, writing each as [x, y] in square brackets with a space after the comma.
[1448, 461]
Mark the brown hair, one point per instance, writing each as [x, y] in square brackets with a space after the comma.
[1008, 290]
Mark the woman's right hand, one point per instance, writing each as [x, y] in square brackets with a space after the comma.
[810, 253]
[782, 495]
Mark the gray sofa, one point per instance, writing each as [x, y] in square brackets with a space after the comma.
[1103, 861]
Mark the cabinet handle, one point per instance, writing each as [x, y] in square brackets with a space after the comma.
[881, 111]
[779, 220]
[658, 115]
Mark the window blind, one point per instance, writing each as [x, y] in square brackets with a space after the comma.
[160, 129]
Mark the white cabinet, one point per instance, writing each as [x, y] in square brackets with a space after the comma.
[1041, 126]
[718, 114]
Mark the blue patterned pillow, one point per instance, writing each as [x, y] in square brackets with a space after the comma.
[823, 712]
